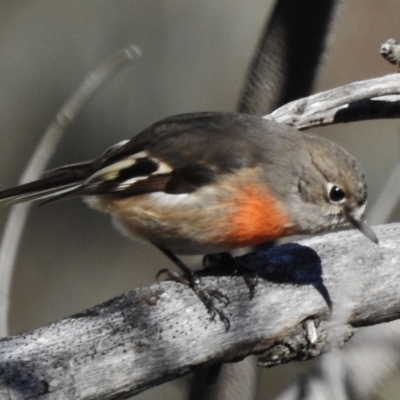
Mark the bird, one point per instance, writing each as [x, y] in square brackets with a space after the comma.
[212, 182]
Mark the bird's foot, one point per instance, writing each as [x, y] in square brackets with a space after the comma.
[225, 264]
[192, 279]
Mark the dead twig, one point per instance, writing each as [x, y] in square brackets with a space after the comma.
[44, 151]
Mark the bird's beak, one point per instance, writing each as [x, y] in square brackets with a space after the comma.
[364, 228]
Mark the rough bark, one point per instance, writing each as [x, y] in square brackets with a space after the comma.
[376, 98]
[310, 298]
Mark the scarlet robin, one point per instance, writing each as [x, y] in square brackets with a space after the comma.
[212, 182]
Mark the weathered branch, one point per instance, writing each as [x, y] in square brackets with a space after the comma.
[153, 334]
[376, 98]
[358, 371]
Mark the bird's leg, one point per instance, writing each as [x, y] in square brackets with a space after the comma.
[172, 275]
[192, 280]
[229, 265]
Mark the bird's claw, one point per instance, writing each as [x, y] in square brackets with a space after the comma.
[225, 261]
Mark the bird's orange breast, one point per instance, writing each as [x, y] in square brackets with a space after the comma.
[257, 217]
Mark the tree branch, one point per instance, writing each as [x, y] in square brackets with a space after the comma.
[338, 282]
[376, 98]
[356, 372]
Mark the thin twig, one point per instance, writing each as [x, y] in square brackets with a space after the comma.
[44, 151]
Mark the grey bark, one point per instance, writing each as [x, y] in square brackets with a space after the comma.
[338, 282]
[357, 372]
[376, 98]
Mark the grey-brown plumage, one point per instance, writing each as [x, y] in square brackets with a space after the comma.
[208, 182]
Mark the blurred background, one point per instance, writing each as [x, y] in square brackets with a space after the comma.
[194, 58]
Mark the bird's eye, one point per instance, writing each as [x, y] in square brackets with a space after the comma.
[335, 193]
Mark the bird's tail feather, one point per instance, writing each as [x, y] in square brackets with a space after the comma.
[56, 183]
